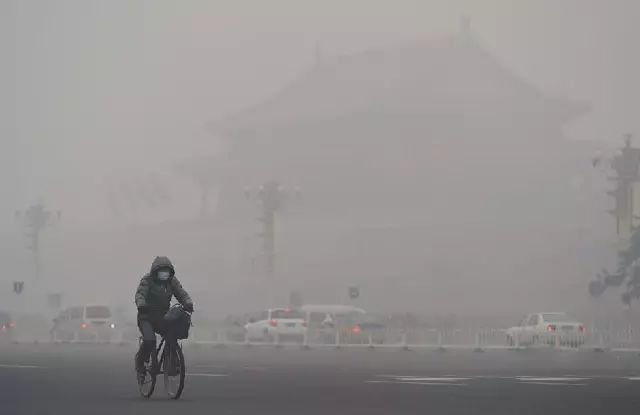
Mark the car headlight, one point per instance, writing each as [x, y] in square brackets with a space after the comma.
[113, 325]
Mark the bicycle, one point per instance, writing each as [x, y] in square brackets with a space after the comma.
[167, 360]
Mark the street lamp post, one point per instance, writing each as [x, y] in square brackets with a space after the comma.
[272, 199]
[36, 218]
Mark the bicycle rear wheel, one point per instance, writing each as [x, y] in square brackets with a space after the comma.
[147, 383]
[174, 370]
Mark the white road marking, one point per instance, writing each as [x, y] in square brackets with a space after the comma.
[553, 383]
[208, 375]
[20, 367]
[634, 378]
[563, 379]
[416, 383]
[432, 383]
[417, 379]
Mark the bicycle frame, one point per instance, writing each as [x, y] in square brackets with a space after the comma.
[160, 352]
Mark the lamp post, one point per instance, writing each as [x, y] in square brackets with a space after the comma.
[272, 199]
[36, 218]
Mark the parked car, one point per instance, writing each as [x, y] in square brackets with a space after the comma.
[283, 323]
[361, 329]
[7, 326]
[547, 328]
[324, 320]
[84, 323]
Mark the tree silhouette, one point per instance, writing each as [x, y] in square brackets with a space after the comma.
[627, 274]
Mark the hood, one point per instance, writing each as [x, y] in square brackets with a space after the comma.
[161, 262]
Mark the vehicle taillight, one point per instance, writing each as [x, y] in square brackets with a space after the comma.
[582, 329]
[356, 329]
[273, 323]
[551, 328]
[83, 325]
[4, 327]
[12, 324]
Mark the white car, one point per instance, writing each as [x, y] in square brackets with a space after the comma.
[547, 328]
[281, 323]
[84, 323]
[325, 319]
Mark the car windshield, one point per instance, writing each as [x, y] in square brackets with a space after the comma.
[287, 314]
[555, 317]
[98, 311]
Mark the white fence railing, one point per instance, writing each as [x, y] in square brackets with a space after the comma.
[394, 338]
[473, 339]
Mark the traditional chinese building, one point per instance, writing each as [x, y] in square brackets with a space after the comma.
[424, 168]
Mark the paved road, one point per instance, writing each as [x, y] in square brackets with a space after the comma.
[98, 379]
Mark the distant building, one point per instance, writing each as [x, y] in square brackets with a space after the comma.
[417, 164]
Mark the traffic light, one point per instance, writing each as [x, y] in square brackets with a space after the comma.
[354, 292]
[18, 287]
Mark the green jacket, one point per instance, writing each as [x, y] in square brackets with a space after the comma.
[155, 294]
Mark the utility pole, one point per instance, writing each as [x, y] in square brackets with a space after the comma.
[36, 218]
[272, 199]
[627, 191]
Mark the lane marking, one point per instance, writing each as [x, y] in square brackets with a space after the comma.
[432, 383]
[208, 375]
[20, 367]
[634, 378]
[417, 379]
[553, 383]
[562, 379]
[416, 383]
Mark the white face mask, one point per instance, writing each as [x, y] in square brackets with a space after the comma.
[164, 275]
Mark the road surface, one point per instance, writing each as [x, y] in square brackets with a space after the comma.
[43, 379]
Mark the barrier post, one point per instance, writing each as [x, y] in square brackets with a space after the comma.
[440, 342]
[305, 340]
[478, 347]
[405, 345]
[247, 343]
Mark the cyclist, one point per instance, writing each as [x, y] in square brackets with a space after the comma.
[153, 298]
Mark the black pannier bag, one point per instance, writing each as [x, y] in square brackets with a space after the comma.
[179, 321]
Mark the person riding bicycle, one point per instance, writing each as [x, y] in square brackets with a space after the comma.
[153, 298]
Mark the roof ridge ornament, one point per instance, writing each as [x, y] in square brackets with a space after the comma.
[318, 54]
[465, 28]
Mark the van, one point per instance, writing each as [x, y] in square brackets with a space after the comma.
[92, 322]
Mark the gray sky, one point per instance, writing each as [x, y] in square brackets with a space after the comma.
[102, 85]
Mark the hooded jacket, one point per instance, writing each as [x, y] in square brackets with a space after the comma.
[155, 294]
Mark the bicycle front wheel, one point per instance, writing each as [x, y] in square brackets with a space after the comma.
[174, 371]
[147, 381]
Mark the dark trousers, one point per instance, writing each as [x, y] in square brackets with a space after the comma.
[148, 328]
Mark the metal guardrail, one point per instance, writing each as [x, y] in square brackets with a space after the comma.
[463, 339]
[398, 339]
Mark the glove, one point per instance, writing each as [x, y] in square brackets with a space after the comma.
[188, 307]
[143, 309]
